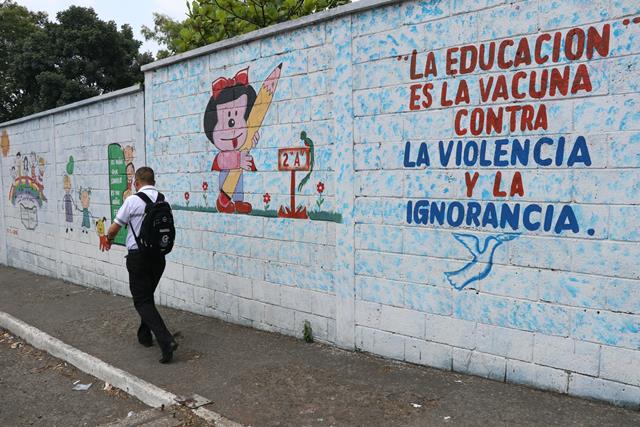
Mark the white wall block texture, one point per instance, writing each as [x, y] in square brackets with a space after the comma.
[506, 342]
[428, 353]
[447, 330]
[388, 345]
[481, 364]
[406, 253]
[364, 338]
[620, 364]
[596, 388]
[537, 376]
[567, 353]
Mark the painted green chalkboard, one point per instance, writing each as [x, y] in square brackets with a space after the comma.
[117, 185]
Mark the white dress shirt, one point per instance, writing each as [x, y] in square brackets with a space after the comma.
[131, 214]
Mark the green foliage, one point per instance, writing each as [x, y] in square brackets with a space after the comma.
[209, 21]
[307, 333]
[17, 27]
[45, 64]
[166, 32]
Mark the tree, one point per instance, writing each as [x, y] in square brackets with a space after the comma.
[56, 63]
[166, 32]
[17, 26]
[209, 21]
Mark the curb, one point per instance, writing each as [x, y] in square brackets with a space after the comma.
[146, 392]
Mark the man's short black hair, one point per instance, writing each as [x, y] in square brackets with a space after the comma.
[145, 175]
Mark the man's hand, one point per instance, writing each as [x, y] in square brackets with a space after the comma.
[114, 228]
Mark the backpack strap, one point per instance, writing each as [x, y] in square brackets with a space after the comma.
[147, 202]
[144, 197]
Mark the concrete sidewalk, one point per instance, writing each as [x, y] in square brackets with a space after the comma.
[257, 378]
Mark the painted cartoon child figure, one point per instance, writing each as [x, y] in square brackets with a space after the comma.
[225, 124]
[85, 200]
[101, 234]
[68, 202]
[131, 171]
[19, 163]
[41, 165]
[33, 162]
[129, 153]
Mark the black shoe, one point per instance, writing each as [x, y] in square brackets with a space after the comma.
[144, 337]
[146, 341]
[167, 354]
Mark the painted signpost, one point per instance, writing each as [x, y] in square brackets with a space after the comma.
[293, 159]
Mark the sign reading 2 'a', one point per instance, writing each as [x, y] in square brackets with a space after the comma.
[294, 159]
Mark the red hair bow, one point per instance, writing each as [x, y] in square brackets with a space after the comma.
[241, 78]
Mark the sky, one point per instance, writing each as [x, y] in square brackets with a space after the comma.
[133, 12]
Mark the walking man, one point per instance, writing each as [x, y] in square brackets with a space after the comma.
[145, 267]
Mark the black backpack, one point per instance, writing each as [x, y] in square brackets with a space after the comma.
[157, 232]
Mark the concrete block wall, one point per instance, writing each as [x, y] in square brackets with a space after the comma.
[28, 206]
[479, 170]
[553, 309]
[53, 241]
[259, 270]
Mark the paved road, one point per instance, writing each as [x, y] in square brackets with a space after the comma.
[263, 379]
[36, 389]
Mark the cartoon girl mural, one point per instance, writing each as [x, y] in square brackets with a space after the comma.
[85, 200]
[231, 122]
[68, 203]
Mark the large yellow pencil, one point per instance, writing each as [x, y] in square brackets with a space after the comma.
[256, 117]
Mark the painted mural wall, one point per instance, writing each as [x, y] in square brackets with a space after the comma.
[497, 190]
[452, 183]
[28, 173]
[57, 175]
[242, 141]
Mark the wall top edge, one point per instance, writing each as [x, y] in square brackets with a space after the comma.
[116, 93]
[348, 9]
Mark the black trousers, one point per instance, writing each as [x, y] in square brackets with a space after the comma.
[144, 275]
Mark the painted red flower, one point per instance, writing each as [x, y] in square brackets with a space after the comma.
[266, 198]
[320, 187]
[186, 195]
[205, 186]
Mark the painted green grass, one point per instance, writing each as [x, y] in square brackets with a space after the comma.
[270, 213]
